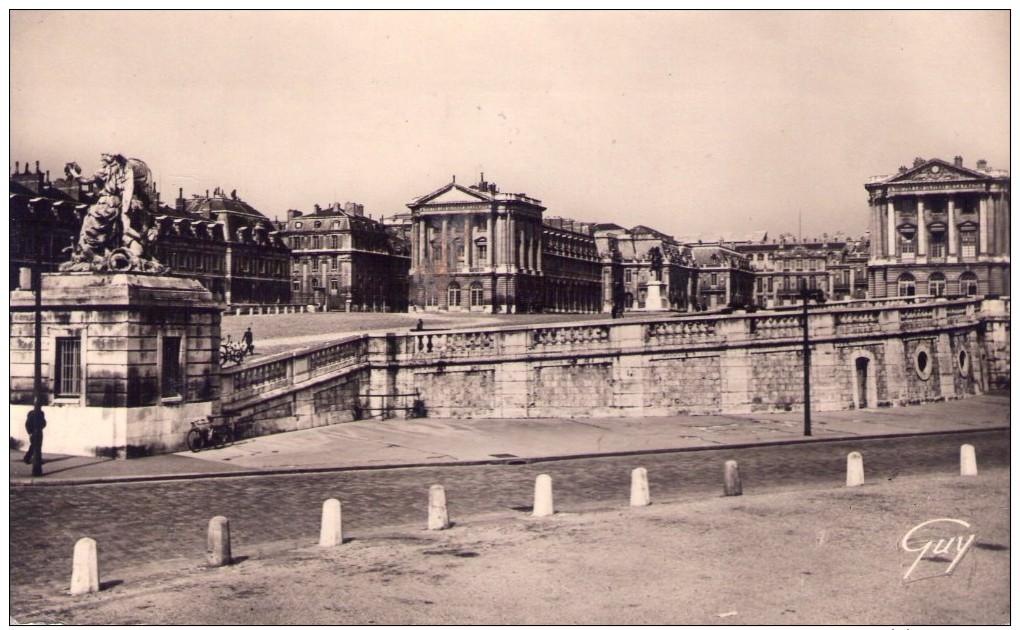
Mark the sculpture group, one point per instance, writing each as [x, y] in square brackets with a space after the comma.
[118, 229]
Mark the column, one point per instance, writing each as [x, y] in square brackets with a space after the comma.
[469, 246]
[443, 238]
[922, 229]
[538, 250]
[876, 231]
[983, 226]
[891, 235]
[490, 250]
[952, 227]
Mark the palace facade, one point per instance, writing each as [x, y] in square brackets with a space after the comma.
[343, 260]
[218, 239]
[939, 229]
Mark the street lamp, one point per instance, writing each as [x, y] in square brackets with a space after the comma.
[818, 296]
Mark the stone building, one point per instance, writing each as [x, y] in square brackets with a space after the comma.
[679, 271]
[725, 277]
[939, 228]
[230, 247]
[783, 266]
[343, 260]
[474, 248]
[221, 241]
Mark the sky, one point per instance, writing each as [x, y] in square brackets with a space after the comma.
[693, 123]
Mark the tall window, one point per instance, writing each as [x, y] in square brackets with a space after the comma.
[906, 286]
[336, 241]
[334, 262]
[936, 285]
[627, 276]
[937, 244]
[481, 252]
[477, 294]
[968, 284]
[908, 244]
[315, 242]
[315, 263]
[297, 286]
[171, 363]
[453, 294]
[968, 244]
[68, 369]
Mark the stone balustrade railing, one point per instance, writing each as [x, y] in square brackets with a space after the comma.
[597, 338]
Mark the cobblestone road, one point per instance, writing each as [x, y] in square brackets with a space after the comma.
[139, 523]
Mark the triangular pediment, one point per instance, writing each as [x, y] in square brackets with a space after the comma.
[451, 193]
[938, 170]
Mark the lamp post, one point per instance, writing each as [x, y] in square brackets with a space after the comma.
[805, 295]
[37, 393]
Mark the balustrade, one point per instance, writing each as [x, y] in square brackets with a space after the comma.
[572, 336]
[670, 333]
[460, 343]
[349, 351]
[265, 375]
[857, 322]
[777, 326]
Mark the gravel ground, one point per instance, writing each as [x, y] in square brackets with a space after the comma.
[794, 557]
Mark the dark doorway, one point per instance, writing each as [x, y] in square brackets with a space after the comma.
[862, 382]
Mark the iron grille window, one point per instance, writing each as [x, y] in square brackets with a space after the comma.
[68, 381]
[172, 367]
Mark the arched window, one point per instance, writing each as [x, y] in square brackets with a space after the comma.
[906, 285]
[936, 285]
[453, 295]
[477, 294]
[968, 284]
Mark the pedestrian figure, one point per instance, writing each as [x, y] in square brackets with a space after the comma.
[35, 424]
[421, 325]
[249, 341]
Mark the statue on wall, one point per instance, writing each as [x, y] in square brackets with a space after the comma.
[118, 228]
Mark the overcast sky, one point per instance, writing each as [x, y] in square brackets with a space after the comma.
[692, 123]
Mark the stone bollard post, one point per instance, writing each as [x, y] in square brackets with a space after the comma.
[968, 461]
[331, 533]
[438, 516]
[543, 496]
[854, 470]
[639, 495]
[217, 549]
[85, 570]
[731, 479]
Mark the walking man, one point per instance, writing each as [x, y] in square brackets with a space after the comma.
[35, 424]
[249, 341]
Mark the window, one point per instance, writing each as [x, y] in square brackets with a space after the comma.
[171, 372]
[334, 263]
[936, 285]
[297, 286]
[907, 244]
[713, 279]
[627, 276]
[315, 283]
[433, 298]
[334, 286]
[335, 240]
[968, 284]
[937, 244]
[481, 251]
[68, 368]
[315, 242]
[906, 286]
[453, 295]
[968, 244]
[477, 294]
[315, 263]
[297, 225]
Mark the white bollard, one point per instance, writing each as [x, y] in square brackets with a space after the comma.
[854, 470]
[543, 496]
[731, 479]
[968, 461]
[331, 533]
[217, 549]
[639, 495]
[438, 516]
[85, 571]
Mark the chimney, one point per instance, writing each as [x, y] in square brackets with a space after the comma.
[17, 167]
[291, 214]
[958, 161]
[982, 165]
[37, 166]
[47, 177]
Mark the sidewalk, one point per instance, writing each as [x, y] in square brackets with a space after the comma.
[423, 442]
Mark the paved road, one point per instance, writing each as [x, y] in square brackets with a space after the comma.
[137, 523]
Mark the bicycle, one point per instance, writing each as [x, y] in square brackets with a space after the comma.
[208, 434]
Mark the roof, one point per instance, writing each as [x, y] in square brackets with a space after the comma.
[935, 170]
[458, 193]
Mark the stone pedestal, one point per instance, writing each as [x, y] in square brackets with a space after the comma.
[653, 296]
[128, 360]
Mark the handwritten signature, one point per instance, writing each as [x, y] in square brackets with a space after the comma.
[915, 542]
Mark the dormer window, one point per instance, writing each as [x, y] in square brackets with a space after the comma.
[297, 225]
